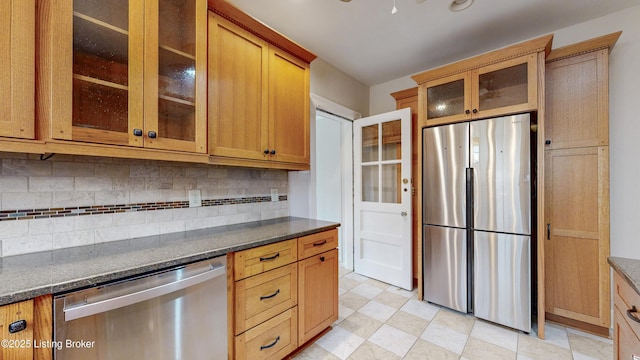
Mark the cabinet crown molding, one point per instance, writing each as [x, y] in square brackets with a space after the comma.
[599, 43]
[536, 45]
[260, 29]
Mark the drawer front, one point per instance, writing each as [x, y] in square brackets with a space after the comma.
[264, 258]
[626, 343]
[273, 339]
[625, 298]
[317, 243]
[264, 296]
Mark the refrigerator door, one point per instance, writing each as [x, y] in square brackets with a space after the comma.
[502, 273]
[446, 156]
[445, 266]
[500, 158]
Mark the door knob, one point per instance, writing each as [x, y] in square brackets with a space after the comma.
[404, 213]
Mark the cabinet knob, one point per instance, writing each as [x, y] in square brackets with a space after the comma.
[475, 111]
[467, 112]
[321, 258]
[152, 134]
[273, 152]
[266, 151]
[17, 326]
[137, 132]
[547, 142]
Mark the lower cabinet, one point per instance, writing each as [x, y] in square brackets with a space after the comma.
[284, 294]
[626, 326]
[26, 329]
[318, 294]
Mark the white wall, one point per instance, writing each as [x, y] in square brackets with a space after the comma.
[624, 93]
[335, 85]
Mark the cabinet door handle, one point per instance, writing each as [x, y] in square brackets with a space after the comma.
[273, 152]
[467, 112]
[270, 296]
[137, 132]
[320, 243]
[270, 257]
[475, 111]
[631, 312]
[322, 258]
[152, 134]
[17, 326]
[548, 231]
[270, 345]
[266, 151]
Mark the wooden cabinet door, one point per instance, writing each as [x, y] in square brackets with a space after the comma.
[91, 71]
[17, 74]
[238, 85]
[577, 237]
[318, 294]
[507, 87]
[20, 345]
[288, 108]
[447, 100]
[175, 75]
[577, 101]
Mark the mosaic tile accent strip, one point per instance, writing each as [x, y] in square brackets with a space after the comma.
[30, 214]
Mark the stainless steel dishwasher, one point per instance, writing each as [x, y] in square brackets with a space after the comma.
[179, 313]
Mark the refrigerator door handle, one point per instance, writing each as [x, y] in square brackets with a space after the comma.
[470, 196]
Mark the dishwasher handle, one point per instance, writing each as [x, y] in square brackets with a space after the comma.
[81, 311]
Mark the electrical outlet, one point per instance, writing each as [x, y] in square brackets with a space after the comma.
[274, 194]
[195, 199]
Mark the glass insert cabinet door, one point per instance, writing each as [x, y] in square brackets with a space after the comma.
[449, 97]
[107, 71]
[176, 74]
[381, 163]
[138, 78]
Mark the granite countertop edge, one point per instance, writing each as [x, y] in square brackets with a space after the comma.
[25, 291]
[629, 269]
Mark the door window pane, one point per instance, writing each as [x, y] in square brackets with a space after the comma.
[391, 140]
[446, 99]
[503, 87]
[370, 183]
[370, 138]
[391, 183]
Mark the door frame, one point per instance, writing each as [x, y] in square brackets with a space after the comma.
[303, 184]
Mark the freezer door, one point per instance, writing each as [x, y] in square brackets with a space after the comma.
[502, 279]
[500, 158]
[446, 156]
[445, 267]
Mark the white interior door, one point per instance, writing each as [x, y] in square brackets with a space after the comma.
[382, 197]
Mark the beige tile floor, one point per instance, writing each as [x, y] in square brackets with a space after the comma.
[378, 321]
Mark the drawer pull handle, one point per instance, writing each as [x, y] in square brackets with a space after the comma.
[270, 345]
[631, 312]
[320, 243]
[270, 296]
[270, 257]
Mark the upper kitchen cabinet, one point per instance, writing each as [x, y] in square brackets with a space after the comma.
[577, 94]
[17, 75]
[501, 82]
[123, 72]
[258, 93]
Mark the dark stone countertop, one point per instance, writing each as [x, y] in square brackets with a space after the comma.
[629, 269]
[27, 276]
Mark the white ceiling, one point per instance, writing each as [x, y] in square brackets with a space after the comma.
[363, 39]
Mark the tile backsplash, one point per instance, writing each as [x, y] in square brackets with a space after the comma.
[70, 201]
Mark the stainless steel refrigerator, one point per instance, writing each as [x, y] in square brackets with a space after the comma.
[477, 218]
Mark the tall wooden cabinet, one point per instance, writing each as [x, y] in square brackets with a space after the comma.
[17, 74]
[258, 93]
[27, 328]
[409, 98]
[576, 188]
[125, 73]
